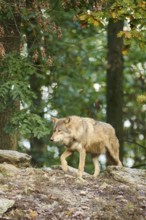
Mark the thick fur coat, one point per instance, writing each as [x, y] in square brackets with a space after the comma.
[86, 135]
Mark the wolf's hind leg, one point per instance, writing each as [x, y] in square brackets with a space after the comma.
[63, 157]
[96, 166]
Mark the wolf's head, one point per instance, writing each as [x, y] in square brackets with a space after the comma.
[61, 131]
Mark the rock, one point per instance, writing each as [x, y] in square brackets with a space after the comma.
[5, 204]
[71, 170]
[104, 185]
[119, 197]
[79, 214]
[15, 158]
[8, 169]
[48, 169]
[83, 193]
[128, 175]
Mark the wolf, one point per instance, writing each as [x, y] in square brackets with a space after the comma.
[85, 135]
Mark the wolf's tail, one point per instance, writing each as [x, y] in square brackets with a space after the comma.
[113, 152]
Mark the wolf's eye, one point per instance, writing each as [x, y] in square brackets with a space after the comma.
[59, 130]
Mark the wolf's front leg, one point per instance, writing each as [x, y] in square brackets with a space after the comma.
[82, 153]
[63, 157]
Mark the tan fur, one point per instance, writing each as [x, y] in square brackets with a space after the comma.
[85, 135]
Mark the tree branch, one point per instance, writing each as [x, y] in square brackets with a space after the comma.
[131, 142]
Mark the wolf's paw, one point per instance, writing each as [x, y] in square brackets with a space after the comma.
[95, 175]
[64, 168]
[120, 164]
[81, 181]
[79, 174]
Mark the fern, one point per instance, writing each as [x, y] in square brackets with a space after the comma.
[15, 73]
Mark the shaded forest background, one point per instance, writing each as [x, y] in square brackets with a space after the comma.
[61, 58]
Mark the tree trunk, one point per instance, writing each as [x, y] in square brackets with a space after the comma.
[115, 80]
[7, 141]
[10, 40]
[38, 146]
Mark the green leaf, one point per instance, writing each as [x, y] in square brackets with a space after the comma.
[83, 17]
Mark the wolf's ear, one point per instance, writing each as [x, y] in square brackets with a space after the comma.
[67, 120]
[54, 120]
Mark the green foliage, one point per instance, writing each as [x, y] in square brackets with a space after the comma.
[70, 66]
[132, 12]
[141, 98]
[134, 107]
[78, 68]
[28, 124]
[15, 73]
[14, 78]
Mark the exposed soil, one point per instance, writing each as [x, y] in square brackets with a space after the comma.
[117, 194]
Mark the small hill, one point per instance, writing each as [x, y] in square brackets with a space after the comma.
[28, 193]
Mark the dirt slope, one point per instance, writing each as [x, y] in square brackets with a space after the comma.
[118, 193]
